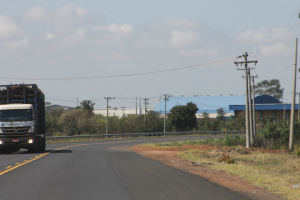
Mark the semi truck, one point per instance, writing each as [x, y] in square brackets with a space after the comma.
[22, 118]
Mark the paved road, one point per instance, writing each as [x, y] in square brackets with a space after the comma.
[105, 170]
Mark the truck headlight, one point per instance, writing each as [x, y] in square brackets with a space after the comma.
[30, 141]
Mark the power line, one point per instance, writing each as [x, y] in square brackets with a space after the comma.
[118, 76]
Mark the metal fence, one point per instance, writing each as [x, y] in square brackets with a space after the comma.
[134, 135]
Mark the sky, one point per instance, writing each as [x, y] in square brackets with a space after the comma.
[88, 50]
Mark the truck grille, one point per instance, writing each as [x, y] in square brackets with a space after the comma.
[15, 130]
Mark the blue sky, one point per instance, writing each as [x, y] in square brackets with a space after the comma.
[45, 40]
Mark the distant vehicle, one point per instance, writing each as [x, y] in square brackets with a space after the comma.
[22, 118]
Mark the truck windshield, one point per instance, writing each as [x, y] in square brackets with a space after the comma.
[16, 115]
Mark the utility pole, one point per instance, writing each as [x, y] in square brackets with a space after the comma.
[252, 117]
[136, 106]
[245, 63]
[145, 110]
[253, 107]
[123, 109]
[77, 102]
[250, 110]
[140, 106]
[292, 122]
[166, 98]
[107, 99]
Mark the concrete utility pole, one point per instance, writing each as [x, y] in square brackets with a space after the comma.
[140, 106]
[245, 63]
[250, 110]
[253, 106]
[123, 109]
[251, 100]
[166, 98]
[292, 122]
[145, 110]
[107, 99]
[136, 112]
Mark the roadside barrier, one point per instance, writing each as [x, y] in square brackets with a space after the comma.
[134, 135]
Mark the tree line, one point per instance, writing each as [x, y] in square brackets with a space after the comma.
[82, 121]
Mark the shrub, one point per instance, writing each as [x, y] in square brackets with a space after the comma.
[226, 159]
[234, 141]
[298, 151]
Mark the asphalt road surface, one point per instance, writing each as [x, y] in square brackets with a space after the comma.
[105, 170]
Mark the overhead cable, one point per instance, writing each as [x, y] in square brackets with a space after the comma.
[115, 76]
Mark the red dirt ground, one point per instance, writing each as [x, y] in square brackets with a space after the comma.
[169, 156]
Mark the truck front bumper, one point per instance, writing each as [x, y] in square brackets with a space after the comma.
[25, 141]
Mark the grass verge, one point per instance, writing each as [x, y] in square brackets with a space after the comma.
[275, 171]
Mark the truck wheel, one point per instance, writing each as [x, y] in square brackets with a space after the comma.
[42, 145]
[32, 149]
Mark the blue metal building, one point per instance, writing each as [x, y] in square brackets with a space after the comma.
[210, 104]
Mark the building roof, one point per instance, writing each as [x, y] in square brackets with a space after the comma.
[210, 104]
[265, 107]
[265, 99]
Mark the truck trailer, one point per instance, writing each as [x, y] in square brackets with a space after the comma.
[22, 118]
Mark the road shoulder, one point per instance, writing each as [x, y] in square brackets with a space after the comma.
[231, 182]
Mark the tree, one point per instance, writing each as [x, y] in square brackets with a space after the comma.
[205, 124]
[88, 105]
[221, 114]
[153, 123]
[219, 123]
[271, 88]
[52, 121]
[78, 121]
[183, 117]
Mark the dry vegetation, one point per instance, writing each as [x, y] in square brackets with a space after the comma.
[276, 171]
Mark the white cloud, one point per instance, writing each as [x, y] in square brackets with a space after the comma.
[173, 23]
[168, 33]
[80, 32]
[35, 14]
[67, 14]
[8, 28]
[114, 28]
[17, 43]
[76, 36]
[183, 38]
[274, 49]
[49, 36]
[265, 35]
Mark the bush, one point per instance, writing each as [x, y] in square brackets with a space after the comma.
[298, 151]
[234, 141]
[226, 159]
